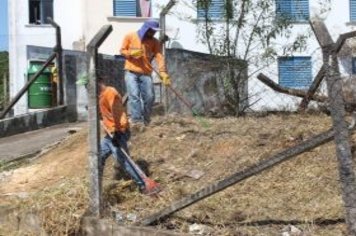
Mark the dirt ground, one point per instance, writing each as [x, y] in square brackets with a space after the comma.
[303, 192]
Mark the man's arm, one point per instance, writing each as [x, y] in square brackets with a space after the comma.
[125, 48]
[116, 113]
[119, 113]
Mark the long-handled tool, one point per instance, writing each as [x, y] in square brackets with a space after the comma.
[185, 101]
[151, 186]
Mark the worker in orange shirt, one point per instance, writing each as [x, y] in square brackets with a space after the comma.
[115, 122]
[139, 48]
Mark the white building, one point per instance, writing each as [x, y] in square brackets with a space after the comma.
[80, 20]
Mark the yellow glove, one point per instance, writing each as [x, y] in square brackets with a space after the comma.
[136, 53]
[165, 78]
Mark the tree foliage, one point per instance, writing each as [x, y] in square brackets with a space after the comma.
[249, 30]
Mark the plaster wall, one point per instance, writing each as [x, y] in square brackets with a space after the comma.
[22, 34]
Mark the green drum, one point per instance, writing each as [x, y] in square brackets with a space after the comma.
[40, 91]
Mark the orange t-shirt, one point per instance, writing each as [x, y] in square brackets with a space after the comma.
[113, 113]
[151, 49]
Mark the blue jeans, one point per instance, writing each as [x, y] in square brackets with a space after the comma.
[139, 87]
[107, 148]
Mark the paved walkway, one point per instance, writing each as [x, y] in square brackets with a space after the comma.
[32, 142]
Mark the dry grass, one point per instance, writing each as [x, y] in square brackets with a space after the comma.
[303, 191]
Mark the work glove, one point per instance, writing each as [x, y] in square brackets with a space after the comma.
[165, 78]
[136, 53]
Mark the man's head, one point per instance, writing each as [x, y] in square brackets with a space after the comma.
[150, 33]
[148, 29]
[101, 82]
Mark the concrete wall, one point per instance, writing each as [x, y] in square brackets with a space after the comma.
[93, 227]
[75, 66]
[203, 80]
[203, 88]
[35, 120]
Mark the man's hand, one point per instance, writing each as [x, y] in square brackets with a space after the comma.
[165, 78]
[136, 53]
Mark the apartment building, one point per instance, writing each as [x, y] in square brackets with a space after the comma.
[80, 20]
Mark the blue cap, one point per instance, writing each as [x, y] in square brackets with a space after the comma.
[148, 24]
[151, 24]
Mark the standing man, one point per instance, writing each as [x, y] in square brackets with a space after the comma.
[115, 122]
[139, 48]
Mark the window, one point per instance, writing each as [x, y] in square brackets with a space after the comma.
[40, 10]
[295, 72]
[295, 10]
[214, 11]
[133, 8]
[352, 10]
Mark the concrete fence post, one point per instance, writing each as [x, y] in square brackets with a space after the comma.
[93, 120]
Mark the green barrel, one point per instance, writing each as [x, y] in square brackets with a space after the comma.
[40, 91]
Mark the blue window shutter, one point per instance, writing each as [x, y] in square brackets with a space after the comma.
[352, 10]
[300, 10]
[285, 68]
[295, 72]
[125, 8]
[295, 10]
[215, 11]
[283, 8]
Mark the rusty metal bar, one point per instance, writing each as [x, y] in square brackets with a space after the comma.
[59, 51]
[27, 85]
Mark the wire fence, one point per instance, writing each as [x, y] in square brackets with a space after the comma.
[204, 82]
[265, 98]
